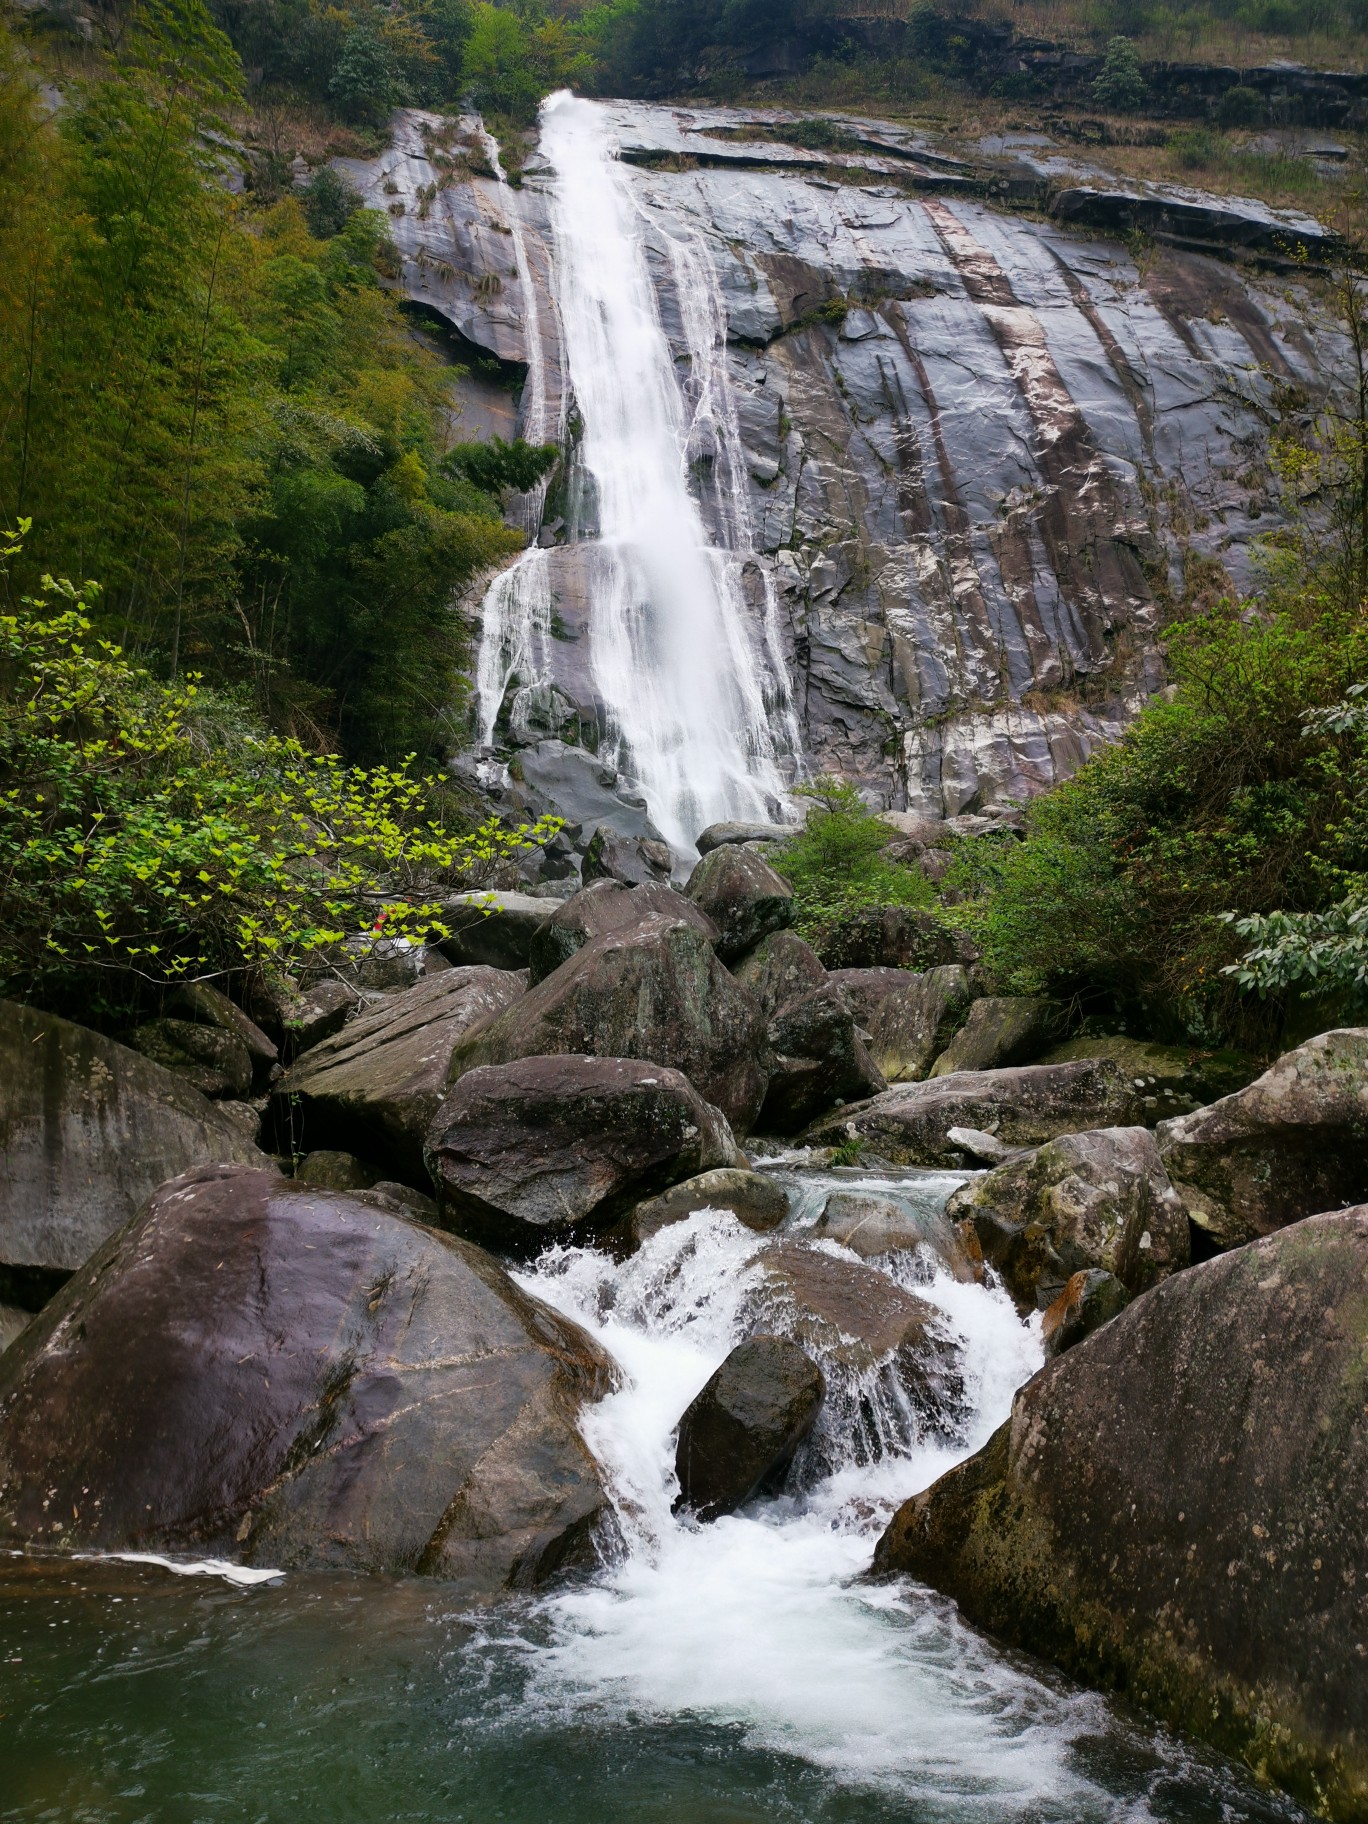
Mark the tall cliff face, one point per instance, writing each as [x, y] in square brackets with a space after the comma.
[980, 450]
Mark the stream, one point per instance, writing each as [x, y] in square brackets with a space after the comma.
[705, 1675]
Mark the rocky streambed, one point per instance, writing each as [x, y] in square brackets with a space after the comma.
[626, 1382]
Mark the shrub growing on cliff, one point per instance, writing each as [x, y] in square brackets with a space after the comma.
[1120, 83]
[837, 864]
[154, 832]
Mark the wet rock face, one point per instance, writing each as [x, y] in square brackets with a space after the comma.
[742, 895]
[871, 1225]
[375, 1087]
[740, 1433]
[751, 1197]
[1294, 1141]
[656, 991]
[910, 1124]
[550, 1148]
[603, 906]
[1096, 1529]
[293, 1377]
[88, 1130]
[1093, 1200]
[818, 1059]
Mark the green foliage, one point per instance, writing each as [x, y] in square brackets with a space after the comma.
[513, 59]
[364, 85]
[495, 465]
[1241, 107]
[836, 864]
[152, 832]
[1120, 83]
[329, 203]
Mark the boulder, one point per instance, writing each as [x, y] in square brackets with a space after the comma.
[718, 835]
[739, 1435]
[653, 991]
[1097, 1199]
[818, 1059]
[910, 1123]
[1176, 1508]
[375, 1086]
[915, 1023]
[743, 896]
[261, 1371]
[892, 937]
[603, 906]
[867, 989]
[304, 1019]
[871, 1224]
[13, 1322]
[855, 1323]
[206, 1006]
[1000, 1030]
[326, 1170]
[752, 1198]
[1089, 1300]
[629, 860]
[89, 1129]
[1167, 1079]
[213, 1061]
[547, 1148]
[1295, 1141]
[780, 967]
[493, 930]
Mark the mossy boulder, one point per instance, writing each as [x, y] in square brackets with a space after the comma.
[1175, 1510]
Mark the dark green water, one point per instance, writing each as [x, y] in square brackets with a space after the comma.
[129, 1694]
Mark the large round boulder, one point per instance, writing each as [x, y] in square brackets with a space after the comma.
[1099, 1199]
[743, 896]
[911, 1123]
[289, 1377]
[547, 1148]
[89, 1130]
[739, 1434]
[780, 967]
[603, 906]
[817, 1059]
[1176, 1509]
[374, 1087]
[1294, 1141]
[1001, 1029]
[653, 991]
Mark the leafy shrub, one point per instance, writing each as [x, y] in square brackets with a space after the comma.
[1193, 148]
[1120, 83]
[152, 832]
[1240, 107]
[837, 863]
[329, 203]
[364, 86]
[496, 465]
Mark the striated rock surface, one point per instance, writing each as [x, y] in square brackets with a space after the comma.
[291, 1377]
[1295, 1141]
[550, 1147]
[88, 1129]
[1176, 1509]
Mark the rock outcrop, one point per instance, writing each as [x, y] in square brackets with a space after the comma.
[493, 930]
[88, 1130]
[742, 895]
[998, 1031]
[1295, 1141]
[739, 1434]
[374, 1088]
[290, 1377]
[910, 1124]
[654, 991]
[550, 1148]
[779, 968]
[871, 1224]
[914, 1023]
[1100, 1199]
[1176, 1508]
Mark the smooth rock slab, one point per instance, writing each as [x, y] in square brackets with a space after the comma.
[1000, 1030]
[493, 930]
[552, 1147]
[289, 1377]
[740, 1433]
[1176, 1508]
[88, 1130]
[916, 1021]
[374, 1087]
[910, 1124]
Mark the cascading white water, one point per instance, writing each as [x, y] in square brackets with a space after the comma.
[758, 1621]
[698, 712]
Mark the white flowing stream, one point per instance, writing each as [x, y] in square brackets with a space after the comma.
[691, 679]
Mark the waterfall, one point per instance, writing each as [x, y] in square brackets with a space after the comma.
[697, 710]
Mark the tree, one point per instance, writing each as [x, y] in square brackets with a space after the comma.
[1120, 83]
[364, 86]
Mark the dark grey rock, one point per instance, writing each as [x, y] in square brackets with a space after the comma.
[743, 896]
[607, 905]
[739, 1434]
[211, 1060]
[1000, 1030]
[752, 1197]
[717, 835]
[818, 1059]
[494, 930]
[867, 989]
[780, 967]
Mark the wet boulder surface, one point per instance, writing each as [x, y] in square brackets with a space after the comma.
[817, 1058]
[555, 1148]
[88, 1129]
[290, 1377]
[1293, 1142]
[743, 896]
[374, 1087]
[1175, 1509]
[739, 1434]
[654, 991]
[603, 906]
[754, 1199]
